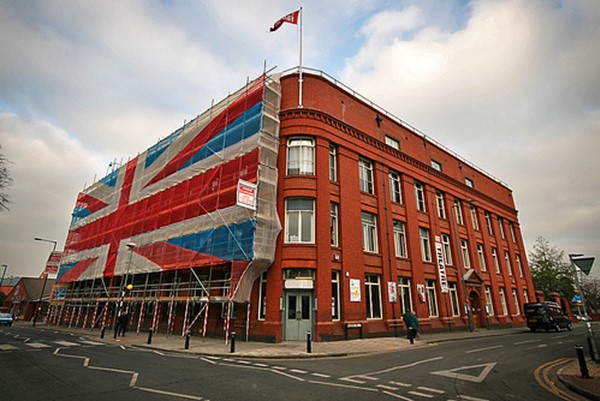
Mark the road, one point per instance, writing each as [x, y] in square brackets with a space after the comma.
[47, 365]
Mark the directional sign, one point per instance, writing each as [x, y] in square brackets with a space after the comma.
[453, 373]
[584, 263]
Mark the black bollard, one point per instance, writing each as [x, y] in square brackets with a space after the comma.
[102, 332]
[232, 342]
[187, 340]
[308, 343]
[582, 365]
[149, 336]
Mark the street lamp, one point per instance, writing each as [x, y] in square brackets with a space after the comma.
[131, 246]
[460, 265]
[39, 308]
[585, 264]
[4, 267]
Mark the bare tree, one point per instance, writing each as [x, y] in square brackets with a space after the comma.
[5, 181]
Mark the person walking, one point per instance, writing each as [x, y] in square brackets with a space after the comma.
[412, 325]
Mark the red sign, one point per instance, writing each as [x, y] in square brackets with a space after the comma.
[53, 262]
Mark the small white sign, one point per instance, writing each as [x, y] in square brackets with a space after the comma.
[441, 266]
[298, 284]
[246, 194]
[354, 290]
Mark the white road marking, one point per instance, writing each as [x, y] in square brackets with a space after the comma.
[452, 373]
[67, 343]
[527, 342]
[367, 375]
[37, 345]
[302, 372]
[288, 375]
[261, 365]
[400, 384]
[344, 386]
[484, 349]
[466, 397]
[7, 347]
[89, 342]
[542, 345]
[420, 394]
[383, 386]
[155, 391]
[431, 390]
[208, 360]
[398, 396]
[323, 375]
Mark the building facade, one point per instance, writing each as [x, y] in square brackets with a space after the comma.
[338, 218]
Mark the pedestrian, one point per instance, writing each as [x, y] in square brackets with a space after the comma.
[122, 324]
[412, 325]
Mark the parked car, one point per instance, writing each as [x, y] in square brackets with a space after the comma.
[547, 316]
[6, 319]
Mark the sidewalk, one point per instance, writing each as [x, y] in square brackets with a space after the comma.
[569, 375]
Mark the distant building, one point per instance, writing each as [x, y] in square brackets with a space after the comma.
[274, 220]
[26, 296]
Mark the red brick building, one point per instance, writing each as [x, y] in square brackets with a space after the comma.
[381, 199]
[376, 219]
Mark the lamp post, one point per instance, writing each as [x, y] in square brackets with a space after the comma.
[460, 267]
[585, 264]
[131, 246]
[4, 267]
[39, 308]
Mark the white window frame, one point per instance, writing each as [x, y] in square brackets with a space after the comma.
[334, 222]
[512, 231]
[369, 231]
[262, 297]
[400, 239]
[503, 301]
[432, 304]
[507, 261]
[454, 304]
[488, 223]
[519, 266]
[300, 216]
[481, 255]
[489, 300]
[469, 183]
[420, 196]
[395, 186]
[474, 218]
[305, 147]
[425, 244]
[392, 142]
[464, 246]
[516, 301]
[441, 206]
[458, 212]
[365, 174]
[496, 261]
[501, 226]
[333, 176]
[335, 295]
[436, 165]
[525, 296]
[371, 286]
[447, 249]
[405, 294]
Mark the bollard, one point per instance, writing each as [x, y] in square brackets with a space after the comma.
[232, 342]
[308, 343]
[102, 332]
[149, 336]
[582, 365]
[187, 340]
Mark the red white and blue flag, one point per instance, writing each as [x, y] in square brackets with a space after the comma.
[175, 205]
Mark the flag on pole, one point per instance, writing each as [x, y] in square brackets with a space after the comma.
[291, 18]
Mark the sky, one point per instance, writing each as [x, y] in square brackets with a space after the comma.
[512, 86]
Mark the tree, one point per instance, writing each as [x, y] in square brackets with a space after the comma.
[590, 287]
[5, 182]
[549, 270]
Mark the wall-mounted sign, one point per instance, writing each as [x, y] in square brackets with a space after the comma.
[354, 290]
[440, 264]
[392, 292]
[246, 194]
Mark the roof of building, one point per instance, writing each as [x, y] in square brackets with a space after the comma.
[30, 288]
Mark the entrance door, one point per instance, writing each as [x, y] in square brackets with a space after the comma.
[475, 308]
[298, 314]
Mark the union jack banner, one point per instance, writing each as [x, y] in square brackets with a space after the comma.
[175, 206]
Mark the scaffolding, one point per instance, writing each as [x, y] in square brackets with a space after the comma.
[188, 223]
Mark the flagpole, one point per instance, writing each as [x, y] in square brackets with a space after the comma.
[300, 65]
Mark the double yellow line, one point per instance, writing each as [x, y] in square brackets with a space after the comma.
[542, 377]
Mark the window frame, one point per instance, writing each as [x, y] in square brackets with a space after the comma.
[425, 242]
[333, 175]
[420, 196]
[432, 303]
[306, 165]
[454, 303]
[489, 300]
[447, 249]
[369, 232]
[404, 290]
[369, 286]
[400, 248]
[440, 204]
[335, 296]
[464, 246]
[365, 175]
[300, 221]
[395, 186]
[481, 257]
[334, 224]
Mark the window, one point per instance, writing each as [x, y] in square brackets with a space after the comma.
[425, 244]
[474, 218]
[481, 257]
[369, 227]
[469, 183]
[507, 260]
[518, 260]
[441, 207]
[464, 245]
[436, 165]
[420, 196]
[454, 299]
[373, 294]
[262, 296]
[335, 295]
[516, 301]
[394, 143]
[501, 227]
[447, 249]
[405, 295]
[503, 301]
[332, 162]
[333, 224]
[525, 296]
[488, 223]
[431, 298]
[395, 188]
[488, 300]
[495, 259]
[512, 231]
[458, 211]
[400, 239]
[365, 173]
[300, 220]
[301, 156]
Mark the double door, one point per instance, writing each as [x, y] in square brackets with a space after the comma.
[298, 314]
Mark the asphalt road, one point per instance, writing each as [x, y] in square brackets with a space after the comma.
[48, 365]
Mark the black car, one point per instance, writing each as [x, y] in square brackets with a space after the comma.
[547, 316]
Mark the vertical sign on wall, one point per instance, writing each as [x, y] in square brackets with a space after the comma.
[392, 292]
[246, 194]
[440, 264]
[354, 290]
[421, 292]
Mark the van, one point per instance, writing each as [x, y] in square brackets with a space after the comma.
[547, 316]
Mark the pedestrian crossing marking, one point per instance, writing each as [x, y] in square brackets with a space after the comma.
[37, 345]
[67, 343]
[7, 347]
[90, 342]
